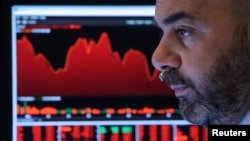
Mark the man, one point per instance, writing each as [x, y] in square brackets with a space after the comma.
[204, 56]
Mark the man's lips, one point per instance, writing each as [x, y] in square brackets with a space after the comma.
[179, 89]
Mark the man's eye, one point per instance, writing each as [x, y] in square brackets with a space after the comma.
[183, 32]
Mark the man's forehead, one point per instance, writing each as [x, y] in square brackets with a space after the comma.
[168, 8]
[177, 5]
[196, 8]
[193, 3]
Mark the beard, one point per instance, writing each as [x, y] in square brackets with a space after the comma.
[224, 90]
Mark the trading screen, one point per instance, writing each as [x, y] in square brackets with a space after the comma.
[84, 73]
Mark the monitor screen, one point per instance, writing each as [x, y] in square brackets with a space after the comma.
[84, 72]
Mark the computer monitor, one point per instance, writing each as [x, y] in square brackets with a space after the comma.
[84, 72]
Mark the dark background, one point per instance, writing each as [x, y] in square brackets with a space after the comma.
[5, 51]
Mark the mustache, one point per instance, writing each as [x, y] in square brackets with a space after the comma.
[172, 77]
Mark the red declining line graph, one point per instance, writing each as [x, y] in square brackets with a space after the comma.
[91, 69]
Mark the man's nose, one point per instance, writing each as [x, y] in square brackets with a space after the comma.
[165, 56]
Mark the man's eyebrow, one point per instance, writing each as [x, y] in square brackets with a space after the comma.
[177, 16]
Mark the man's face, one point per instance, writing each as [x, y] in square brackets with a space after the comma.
[204, 57]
